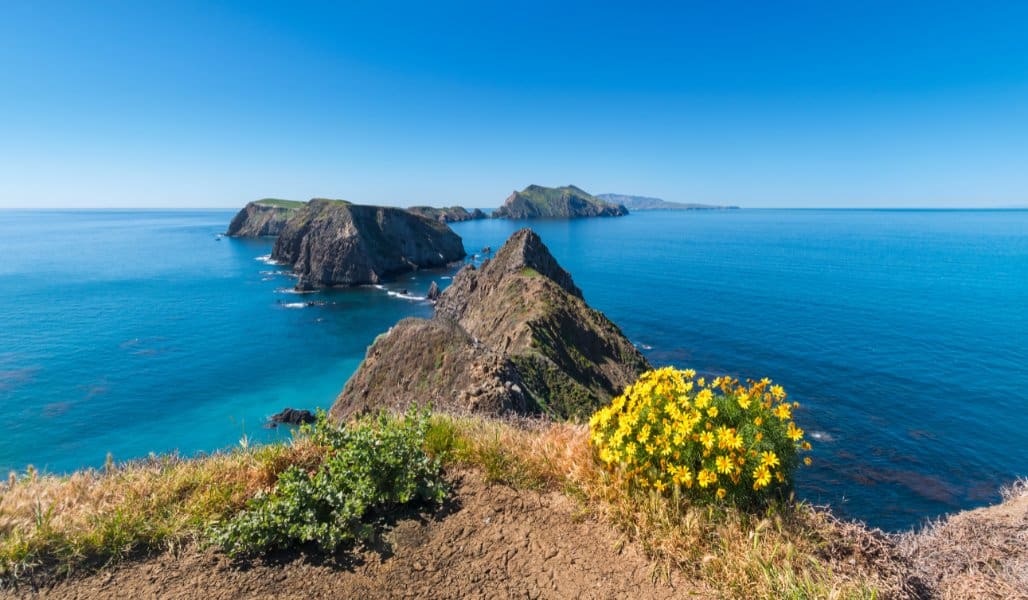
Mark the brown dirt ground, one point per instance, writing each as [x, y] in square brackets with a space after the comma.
[489, 542]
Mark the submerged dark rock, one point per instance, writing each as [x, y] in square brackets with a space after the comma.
[514, 335]
[333, 242]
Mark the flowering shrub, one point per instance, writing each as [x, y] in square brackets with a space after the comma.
[715, 441]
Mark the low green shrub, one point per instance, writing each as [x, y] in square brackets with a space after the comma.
[371, 466]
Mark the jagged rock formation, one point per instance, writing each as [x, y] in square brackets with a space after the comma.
[451, 214]
[262, 218]
[514, 335]
[636, 203]
[334, 242]
[433, 292]
[537, 201]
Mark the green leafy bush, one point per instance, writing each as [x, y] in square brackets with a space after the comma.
[372, 466]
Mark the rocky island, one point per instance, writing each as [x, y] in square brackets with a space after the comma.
[536, 201]
[450, 214]
[513, 336]
[262, 218]
[334, 242]
[648, 203]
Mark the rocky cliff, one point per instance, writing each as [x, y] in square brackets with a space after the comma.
[537, 201]
[513, 336]
[333, 242]
[262, 218]
[450, 214]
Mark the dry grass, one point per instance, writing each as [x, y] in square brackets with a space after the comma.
[976, 554]
[63, 524]
[60, 524]
[791, 551]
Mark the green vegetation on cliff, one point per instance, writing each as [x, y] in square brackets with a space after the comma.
[279, 203]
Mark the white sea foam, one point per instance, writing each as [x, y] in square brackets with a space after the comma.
[295, 305]
[822, 436]
[294, 291]
[266, 259]
[406, 296]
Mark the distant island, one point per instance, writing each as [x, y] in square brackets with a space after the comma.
[648, 203]
[335, 242]
[448, 214]
[536, 201]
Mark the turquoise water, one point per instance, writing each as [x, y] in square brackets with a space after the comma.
[903, 333]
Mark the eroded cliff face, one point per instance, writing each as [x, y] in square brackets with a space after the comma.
[537, 201]
[331, 242]
[262, 218]
[512, 336]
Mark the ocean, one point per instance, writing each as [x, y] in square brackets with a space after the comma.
[904, 334]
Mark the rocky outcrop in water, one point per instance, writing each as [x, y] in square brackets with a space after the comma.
[292, 416]
[513, 336]
[333, 242]
[262, 218]
[433, 292]
[537, 201]
[451, 214]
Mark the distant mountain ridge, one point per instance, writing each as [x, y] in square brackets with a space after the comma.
[536, 201]
[648, 203]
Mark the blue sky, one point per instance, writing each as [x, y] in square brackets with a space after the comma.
[762, 104]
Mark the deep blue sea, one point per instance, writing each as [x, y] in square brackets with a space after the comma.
[903, 333]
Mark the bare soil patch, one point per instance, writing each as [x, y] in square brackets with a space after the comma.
[489, 542]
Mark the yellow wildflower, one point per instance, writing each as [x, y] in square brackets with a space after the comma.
[724, 464]
[761, 477]
[769, 459]
[721, 493]
[783, 412]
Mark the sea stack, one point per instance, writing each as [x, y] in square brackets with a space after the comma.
[334, 242]
[513, 336]
[263, 218]
[566, 202]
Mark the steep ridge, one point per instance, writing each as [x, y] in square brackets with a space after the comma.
[514, 335]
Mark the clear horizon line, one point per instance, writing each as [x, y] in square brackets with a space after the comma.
[716, 207]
